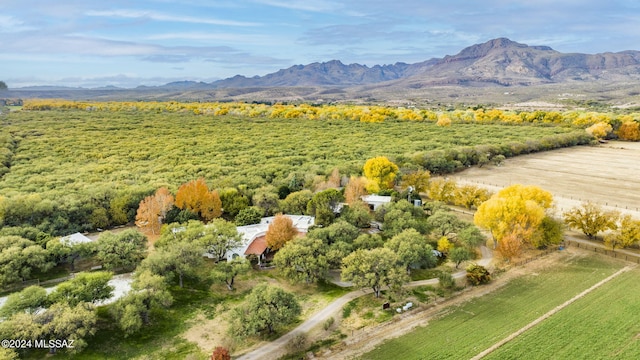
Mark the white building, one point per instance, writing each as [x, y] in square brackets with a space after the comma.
[375, 201]
[254, 236]
[75, 239]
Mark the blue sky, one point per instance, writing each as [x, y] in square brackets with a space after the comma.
[128, 43]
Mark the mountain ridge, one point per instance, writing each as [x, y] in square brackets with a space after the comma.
[498, 61]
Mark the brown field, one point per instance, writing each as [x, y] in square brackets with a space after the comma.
[607, 174]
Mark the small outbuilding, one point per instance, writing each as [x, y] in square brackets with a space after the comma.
[375, 201]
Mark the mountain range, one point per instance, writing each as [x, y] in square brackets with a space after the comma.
[495, 62]
[480, 73]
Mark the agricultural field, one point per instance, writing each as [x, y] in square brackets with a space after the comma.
[602, 325]
[80, 164]
[606, 174]
[466, 330]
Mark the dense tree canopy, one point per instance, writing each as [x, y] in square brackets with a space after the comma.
[20, 257]
[374, 269]
[303, 259]
[122, 250]
[84, 287]
[265, 309]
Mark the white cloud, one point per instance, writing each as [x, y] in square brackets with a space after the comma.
[305, 5]
[9, 24]
[157, 16]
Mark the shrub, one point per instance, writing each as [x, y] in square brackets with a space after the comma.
[478, 275]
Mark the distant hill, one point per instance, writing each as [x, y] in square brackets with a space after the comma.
[495, 62]
[323, 74]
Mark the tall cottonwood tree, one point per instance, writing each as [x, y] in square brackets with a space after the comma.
[516, 210]
[153, 210]
[280, 231]
[196, 197]
[381, 172]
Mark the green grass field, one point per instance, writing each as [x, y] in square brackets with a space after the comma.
[463, 331]
[605, 324]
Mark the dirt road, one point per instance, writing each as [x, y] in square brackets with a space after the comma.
[277, 348]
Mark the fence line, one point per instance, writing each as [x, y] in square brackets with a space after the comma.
[597, 249]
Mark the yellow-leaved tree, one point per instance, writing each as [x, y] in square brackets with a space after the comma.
[280, 232]
[629, 131]
[599, 130]
[381, 172]
[196, 197]
[355, 189]
[153, 210]
[516, 210]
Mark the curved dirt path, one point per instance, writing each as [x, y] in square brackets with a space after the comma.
[548, 314]
[276, 348]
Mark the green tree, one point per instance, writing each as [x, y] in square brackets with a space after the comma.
[444, 223]
[122, 250]
[550, 233]
[368, 241]
[233, 201]
[3, 86]
[63, 252]
[339, 231]
[296, 202]
[62, 321]
[303, 259]
[219, 237]
[381, 172]
[265, 309]
[400, 216]
[374, 269]
[28, 300]
[471, 237]
[268, 201]
[176, 259]
[19, 257]
[148, 292]
[227, 271]
[357, 214]
[412, 249]
[324, 205]
[84, 287]
[459, 254]
[249, 216]
[591, 219]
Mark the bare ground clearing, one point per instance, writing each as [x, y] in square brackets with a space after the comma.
[607, 174]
